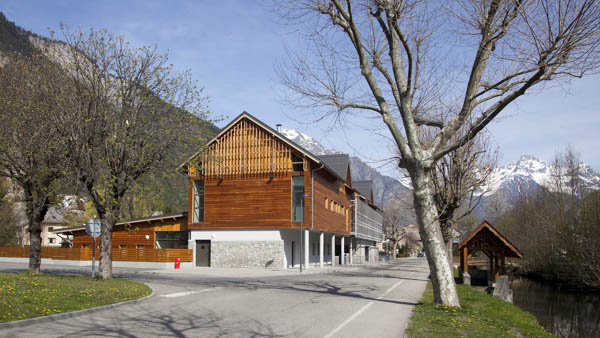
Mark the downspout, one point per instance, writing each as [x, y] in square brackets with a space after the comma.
[312, 196]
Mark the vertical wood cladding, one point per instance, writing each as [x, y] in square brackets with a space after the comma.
[258, 201]
[134, 234]
[244, 149]
[326, 219]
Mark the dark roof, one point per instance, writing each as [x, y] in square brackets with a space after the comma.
[365, 188]
[338, 163]
[153, 218]
[485, 229]
[129, 221]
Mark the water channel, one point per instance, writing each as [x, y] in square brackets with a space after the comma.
[563, 313]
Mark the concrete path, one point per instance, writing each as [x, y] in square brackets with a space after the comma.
[360, 302]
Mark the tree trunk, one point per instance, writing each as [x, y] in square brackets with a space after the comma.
[442, 277]
[35, 246]
[105, 267]
[446, 228]
[36, 212]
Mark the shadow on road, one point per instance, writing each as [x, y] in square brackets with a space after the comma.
[177, 322]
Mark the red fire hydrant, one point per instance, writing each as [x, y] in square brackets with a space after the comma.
[177, 263]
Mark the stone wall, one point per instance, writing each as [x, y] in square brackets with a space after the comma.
[247, 254]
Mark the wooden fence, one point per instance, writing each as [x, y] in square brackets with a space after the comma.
[85, 254]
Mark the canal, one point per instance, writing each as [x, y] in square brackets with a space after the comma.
[563, 313]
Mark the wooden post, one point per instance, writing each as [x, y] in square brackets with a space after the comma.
[464, 259]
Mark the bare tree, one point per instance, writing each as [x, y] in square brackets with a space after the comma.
[134, 115]
[460, 180]
[393, 230]
[32, 150]
[391, 58]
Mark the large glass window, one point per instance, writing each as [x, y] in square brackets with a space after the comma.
[198, 216]
[297, 198]
[171, 239]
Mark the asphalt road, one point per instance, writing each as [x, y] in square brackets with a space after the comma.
[369, 302]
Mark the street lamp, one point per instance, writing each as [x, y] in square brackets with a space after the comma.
[92, 228]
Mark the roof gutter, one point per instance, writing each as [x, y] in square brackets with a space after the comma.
[312, 196]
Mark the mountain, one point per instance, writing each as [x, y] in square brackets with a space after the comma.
[386, 190]
[530, 173]
[163, 191]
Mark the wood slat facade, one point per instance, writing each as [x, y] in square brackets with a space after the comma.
[132, 235]
[244, 150]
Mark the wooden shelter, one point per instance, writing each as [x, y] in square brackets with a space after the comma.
[487, 239]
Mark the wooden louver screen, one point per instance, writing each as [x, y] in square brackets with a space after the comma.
[245, 149]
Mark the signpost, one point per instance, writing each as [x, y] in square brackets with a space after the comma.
[92, 228]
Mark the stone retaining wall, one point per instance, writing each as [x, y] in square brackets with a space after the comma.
[240, 254]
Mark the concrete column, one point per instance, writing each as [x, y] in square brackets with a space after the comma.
[332, 250]
[342, 251]
[321, 244]
[351, 252]
[306, 247]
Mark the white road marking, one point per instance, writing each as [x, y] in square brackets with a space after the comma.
[187, 293]
[362, 309]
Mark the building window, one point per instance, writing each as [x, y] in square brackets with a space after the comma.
[51, 240]
[326, 203]
[198, 201]
[297, 163]
[123, 246]
[140, 246]
[50, 228]
[297, 198]
[171, 239]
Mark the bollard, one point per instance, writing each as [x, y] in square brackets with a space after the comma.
[177, 263]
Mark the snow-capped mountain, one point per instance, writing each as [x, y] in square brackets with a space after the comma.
[529, 173]
[307, 142]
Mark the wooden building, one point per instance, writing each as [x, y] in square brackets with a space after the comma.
[255, 197]
[154, 232]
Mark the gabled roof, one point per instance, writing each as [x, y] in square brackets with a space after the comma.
[275, 134]
[338, 162]
[364, 188]
[486, 228]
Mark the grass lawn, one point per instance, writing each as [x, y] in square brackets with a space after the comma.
[25, 295]
[480, 315]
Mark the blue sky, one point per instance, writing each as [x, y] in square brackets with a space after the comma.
[232, 47]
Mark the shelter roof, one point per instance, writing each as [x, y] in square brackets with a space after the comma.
[486, 232]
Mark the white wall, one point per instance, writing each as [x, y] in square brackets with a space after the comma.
[235, 235]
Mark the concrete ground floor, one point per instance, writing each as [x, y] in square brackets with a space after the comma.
[276, 249]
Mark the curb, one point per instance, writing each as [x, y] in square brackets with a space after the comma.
[59, 316]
